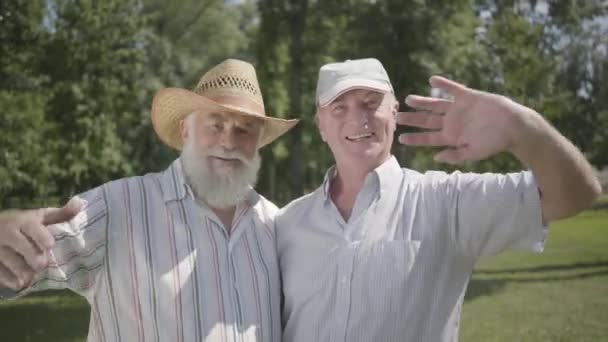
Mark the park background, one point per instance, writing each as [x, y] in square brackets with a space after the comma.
[77, 78]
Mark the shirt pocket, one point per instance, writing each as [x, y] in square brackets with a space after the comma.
[382, 269]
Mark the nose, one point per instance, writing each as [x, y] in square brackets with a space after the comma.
[360, 117]
[228, 140]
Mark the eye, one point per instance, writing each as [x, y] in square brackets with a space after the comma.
[338, 109]
[215, 127]
[372, 104]
[241, 130]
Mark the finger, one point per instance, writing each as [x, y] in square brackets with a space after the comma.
[451, 156]
[66, 213]
[432, 104]
[423, 139]
[34, 258]
[15, 264]
[422, 120]
[448, 85]
[8, 279]
[39, 235]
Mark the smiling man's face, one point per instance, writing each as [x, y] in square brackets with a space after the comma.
[359, 126]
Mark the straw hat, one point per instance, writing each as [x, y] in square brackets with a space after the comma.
[231, 86]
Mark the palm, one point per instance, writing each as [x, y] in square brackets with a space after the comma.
[473, 126]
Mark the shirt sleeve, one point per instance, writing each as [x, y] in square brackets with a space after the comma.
[489, 213]
[79, 250]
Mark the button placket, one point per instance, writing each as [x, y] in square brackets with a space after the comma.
[343, 287]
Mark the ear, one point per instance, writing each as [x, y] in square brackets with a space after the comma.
[395, 105]
[322, 136]
[183, 126]
[319, 126]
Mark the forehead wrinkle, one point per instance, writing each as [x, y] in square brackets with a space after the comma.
[234, 118]
[358, 93]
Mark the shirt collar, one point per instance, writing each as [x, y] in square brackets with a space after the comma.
[382, 178]
[329, 177]
[173, 182]
[389, 174]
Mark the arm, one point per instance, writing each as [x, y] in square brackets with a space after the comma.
[77, 252]
[485, 214]
[476, 125]
[565, 179]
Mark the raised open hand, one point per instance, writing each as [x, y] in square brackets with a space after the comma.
[473, 126]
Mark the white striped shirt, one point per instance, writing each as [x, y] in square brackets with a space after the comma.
[156, 266]
[398, 269]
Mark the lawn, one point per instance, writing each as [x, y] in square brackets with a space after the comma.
[602, 202]
[559, 295]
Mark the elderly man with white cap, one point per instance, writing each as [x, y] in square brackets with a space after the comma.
[384, 253]
[183, 255]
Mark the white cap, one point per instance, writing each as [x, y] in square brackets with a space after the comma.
[337, 78]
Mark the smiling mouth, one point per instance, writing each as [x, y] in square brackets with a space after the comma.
[359, 137]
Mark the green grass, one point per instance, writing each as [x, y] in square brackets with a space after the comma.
[602, 202]
[57, 316]
[559, 295]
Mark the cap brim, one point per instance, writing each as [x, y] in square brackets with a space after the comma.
[343, 86]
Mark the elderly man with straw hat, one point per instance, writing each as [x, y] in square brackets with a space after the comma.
[384, 253]
[183, 255]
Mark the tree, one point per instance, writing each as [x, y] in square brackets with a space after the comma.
[77, 79]
[73, 70]
[25, 167]
[94, 62]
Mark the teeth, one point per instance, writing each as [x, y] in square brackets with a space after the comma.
[359, 136]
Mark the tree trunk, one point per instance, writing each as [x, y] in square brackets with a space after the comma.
[297, 21]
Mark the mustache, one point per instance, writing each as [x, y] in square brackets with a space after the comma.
[225, 154]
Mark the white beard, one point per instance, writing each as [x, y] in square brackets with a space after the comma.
[219, 191]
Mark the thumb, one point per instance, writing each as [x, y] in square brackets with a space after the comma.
[66, 213]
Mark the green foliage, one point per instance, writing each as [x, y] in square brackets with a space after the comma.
[94, 62]
[77, 76]
[77, 82]
[26, 168]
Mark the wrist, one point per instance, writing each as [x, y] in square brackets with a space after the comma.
[528, 131]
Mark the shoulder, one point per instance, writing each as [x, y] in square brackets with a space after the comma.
[264, 207]
[115, 193]
[148, 181]
[301, 206]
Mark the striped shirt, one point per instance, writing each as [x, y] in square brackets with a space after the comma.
[156, 266]
[397, 270]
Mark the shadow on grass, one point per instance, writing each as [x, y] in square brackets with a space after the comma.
[494, 280]
[576, 266]
[58, 316]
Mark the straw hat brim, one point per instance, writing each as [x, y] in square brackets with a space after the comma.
[171, 105]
